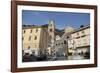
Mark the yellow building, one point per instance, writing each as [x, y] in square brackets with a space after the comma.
[35, 39]
[38, 39]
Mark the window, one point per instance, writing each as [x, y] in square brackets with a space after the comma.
[82, 32]
[36, 30]
[31, 31]
[50, 30]
[67, 37]
[77, 33]
[22, 38]
[33, 52]
[28, 47]
[24, 31]
[29, 38]
[65, 42]
[35, 38]
[77, 37]
[83, 36]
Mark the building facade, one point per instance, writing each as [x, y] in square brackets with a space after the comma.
[39, 39]
[79, 40]
[61, 43]
[60, 47]
[73, 41]
[33, 39]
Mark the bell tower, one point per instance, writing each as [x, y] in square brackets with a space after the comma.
[51, 31]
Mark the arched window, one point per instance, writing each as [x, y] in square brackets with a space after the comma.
[22, 38]
[67, 37]
[78, 33]
[24, 31]
[65, 42]
[35, 38]
[50, 30]
[36, 30]
[31, 31]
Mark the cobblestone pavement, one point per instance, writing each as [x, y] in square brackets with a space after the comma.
[76, 57]
[72, 57]
[54, 58]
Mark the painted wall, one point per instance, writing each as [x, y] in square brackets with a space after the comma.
[5, 38]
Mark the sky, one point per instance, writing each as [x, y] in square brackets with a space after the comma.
[62, 19]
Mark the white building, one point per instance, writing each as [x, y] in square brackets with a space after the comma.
[73, 41]
[80, 40]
